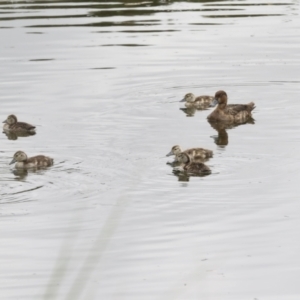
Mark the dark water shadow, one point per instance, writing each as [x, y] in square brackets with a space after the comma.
[173, 164]
[41, 59]
[103, 68]
[190, 111]
[251, 4]
[21, 174]
[100, 10]
[185, 176]
[222, 138]
[15, 135]
[197, 159]
[243, 16]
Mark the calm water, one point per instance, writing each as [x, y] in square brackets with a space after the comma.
[102, 81]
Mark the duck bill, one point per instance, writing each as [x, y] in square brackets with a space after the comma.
[170, 153]
[183, 100]
[4, 121]
[13, 161]
[214, 103]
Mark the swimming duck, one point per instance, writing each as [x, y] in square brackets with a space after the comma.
[199, 102]
[12, 124]
[235, 113]
[198, 154]
[189, 166]
[23, 162]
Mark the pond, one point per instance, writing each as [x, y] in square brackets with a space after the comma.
[102, 81]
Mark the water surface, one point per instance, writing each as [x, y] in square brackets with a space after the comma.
[102, 81]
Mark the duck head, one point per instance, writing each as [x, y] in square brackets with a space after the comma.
[19, 156]
[190, 97]
[11, 119]
[174, 151]
[220, 98]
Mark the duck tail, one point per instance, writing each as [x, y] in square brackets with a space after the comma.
[251, 106]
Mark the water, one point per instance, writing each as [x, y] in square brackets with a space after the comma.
[102, 81]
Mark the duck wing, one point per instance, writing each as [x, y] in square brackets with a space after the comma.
[234, 109]
[204, 98]
[24, 126]
[41, 160]
[199, 152]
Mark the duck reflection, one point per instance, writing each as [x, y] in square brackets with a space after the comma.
[190, 111]
[183, 177]
[222, 138]
[20, 174]
[14, 135]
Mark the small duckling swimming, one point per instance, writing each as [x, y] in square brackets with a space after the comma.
[198, 154]
[23, 162]
[199, 102]
[12, 124]
[235, 113]
[192, 167]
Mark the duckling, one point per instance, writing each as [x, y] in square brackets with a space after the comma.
[192, 167]
[233, 113]
[12, 124]
[198, 154]
[23, 162]
[199, 102]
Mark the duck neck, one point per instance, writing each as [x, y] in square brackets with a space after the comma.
[222, 106]
[188, 161]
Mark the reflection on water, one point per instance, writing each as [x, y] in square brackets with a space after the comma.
[14, 135]
[110, 220]
[190, 111]
[71, 13]
[23, 173]
[222, 138]
[20, 174]
[185, 176]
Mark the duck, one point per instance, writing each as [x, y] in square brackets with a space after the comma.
[11, 124]
[190, 166]
[199, 102]
[23, 162]
[232, 113]
[198, 154]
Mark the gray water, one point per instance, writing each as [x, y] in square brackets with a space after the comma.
[102, 81]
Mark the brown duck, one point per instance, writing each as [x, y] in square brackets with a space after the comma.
[199, 102]
[12, 124]
[233, 113]
[23, 162]
[198, 154]
[191, 167]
